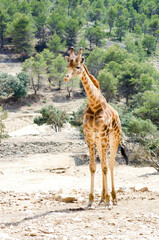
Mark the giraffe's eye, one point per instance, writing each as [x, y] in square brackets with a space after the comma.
[78, 67]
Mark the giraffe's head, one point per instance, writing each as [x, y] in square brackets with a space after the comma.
[75, 64]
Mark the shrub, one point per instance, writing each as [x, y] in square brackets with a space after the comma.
[53, 117]
[16, 85]
[22, 88]
[3, 115]
[77, 118]
[141, 127]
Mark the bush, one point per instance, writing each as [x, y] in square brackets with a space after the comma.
[141, 127]
[22, 88]
[150, 107]
[77, 118]
[16, 85]
[3, 115]
[53, 117]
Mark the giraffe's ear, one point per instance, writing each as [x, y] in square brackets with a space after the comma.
[82, 60]
[67, 58]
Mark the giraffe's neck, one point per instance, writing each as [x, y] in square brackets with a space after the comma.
[93, 93]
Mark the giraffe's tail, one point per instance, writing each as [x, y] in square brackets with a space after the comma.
[124, 153]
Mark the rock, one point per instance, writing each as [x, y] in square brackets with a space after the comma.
[47, 231]
[69, 199]
[33, 234]
[3, 226]
[144, 189]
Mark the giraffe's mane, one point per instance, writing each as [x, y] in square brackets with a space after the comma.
[93, 79]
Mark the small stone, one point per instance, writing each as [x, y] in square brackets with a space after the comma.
[3, 226]
[144, 189]
[69, 199]
[33, 234]
[112, 223]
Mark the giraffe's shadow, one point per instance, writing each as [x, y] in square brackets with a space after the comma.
[67, 210]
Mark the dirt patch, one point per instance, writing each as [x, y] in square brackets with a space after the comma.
[45, 213]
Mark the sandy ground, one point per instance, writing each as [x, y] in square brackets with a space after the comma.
[44, 196]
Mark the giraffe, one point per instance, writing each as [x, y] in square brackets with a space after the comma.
[101, 126]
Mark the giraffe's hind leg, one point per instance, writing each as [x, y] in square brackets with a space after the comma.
[102, 148]
[114, 142]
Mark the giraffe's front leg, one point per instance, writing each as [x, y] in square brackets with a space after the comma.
[92, 167]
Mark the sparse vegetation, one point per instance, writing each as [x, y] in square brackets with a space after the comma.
[53, 117]
[3, 116]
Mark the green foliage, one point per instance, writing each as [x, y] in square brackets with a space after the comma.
[77, 117]
[21, 32]
[94, 36]
[36, 69]
[48, 57]
[150, 106]
[112, 14]
[3, 116]
[141, 127]
[3, 25]
[135, 47]
[108, 84]
[55, 44]
[57, 71]
[95, 61]
[22, 88]
[122, 25]
[53, 117]
[71, 30]
[149, 43]
[16, 85]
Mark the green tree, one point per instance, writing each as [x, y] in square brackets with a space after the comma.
[121, 27]
[55, 44]
[57, 71]
[56, 22]
[96, 11]
[21, 32]
[137, 29]
[48, 58]
[95, 61]
[53, 117]
[108, 84]
[112, 15]
[149, 43]
[95, 36]
[40, 12]
[24, 7]
[3, 25]
[154, 25]
[36, 69]
[71, 30]
[150, 106]
[133, 18]
[128, 79]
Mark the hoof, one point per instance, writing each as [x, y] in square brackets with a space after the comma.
[115, 202]
[90, 205]
[109, 206]
[101, 201]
